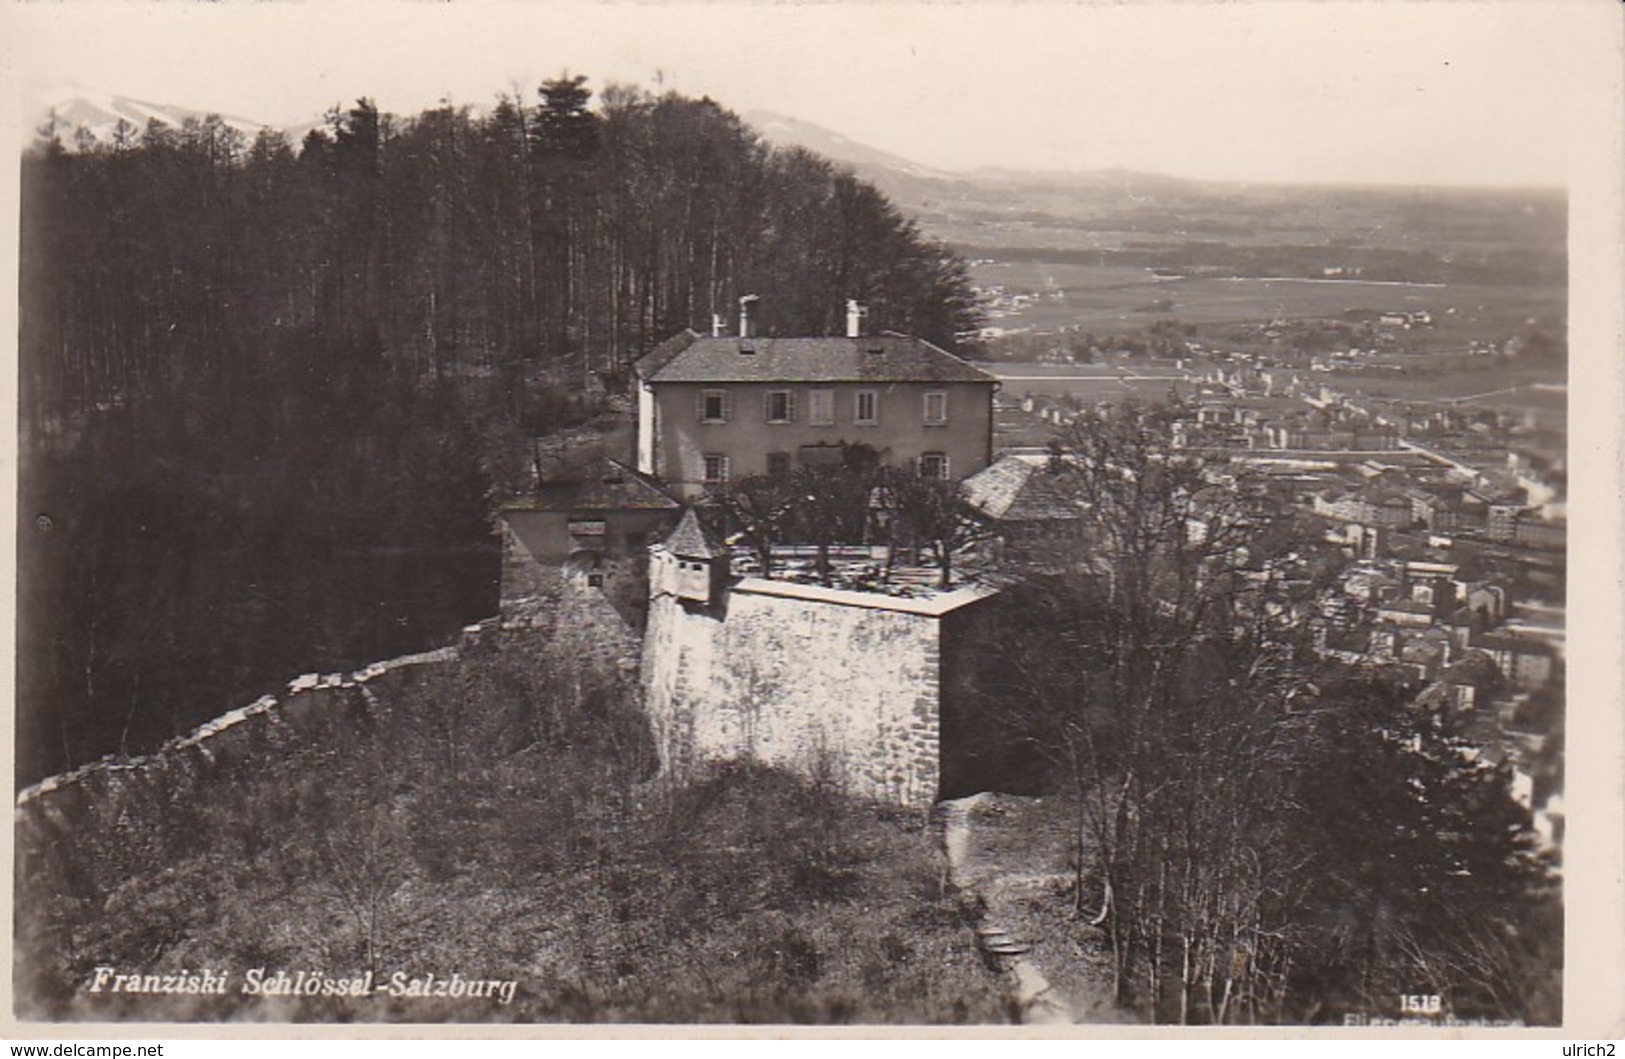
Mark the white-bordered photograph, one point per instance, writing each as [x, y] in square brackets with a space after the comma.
[757, 515]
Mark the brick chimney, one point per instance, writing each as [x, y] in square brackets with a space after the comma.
[747, 316]
[856, 313]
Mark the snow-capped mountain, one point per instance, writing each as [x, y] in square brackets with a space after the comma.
[100, 113]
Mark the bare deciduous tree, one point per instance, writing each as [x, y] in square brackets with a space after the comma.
[1178, 704]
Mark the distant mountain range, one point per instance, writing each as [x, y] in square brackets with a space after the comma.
[785, 131]
[996, 213]
[1003, 212]
[966, 207]
[875, 164]
[101, 113]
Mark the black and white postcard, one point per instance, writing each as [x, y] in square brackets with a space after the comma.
[1076, 516]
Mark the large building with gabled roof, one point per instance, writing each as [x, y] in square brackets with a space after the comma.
[720, 408]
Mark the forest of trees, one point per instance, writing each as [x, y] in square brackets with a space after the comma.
[270, 392]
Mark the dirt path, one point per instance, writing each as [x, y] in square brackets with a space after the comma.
[1033, 1000]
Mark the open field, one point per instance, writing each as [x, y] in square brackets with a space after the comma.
[1488, 385]
[1490, 388]
[1472, 382]
[1074, 211]
[1477, 382]
[1086, 242]
[1048, 233]
[1091, 387]
[1110, 298]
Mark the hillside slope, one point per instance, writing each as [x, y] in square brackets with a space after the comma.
[438, 833]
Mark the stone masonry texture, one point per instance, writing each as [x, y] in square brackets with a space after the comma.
[828, 690]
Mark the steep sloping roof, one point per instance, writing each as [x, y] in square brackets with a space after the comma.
[615, 487]
[1021, 489]
[688, 357]
[657, 358]
[691, 539]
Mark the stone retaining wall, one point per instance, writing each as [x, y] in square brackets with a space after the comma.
[270, 723]
[836, 685]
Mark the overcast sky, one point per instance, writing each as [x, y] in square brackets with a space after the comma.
[1414, 93]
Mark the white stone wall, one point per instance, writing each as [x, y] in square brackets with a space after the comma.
[823, 683]
[647, 428]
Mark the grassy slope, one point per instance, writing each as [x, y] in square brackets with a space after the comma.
[494, 820]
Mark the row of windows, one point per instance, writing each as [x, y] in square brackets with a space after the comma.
[779, 406]
[929, 465]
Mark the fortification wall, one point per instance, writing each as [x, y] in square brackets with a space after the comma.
[269, 724]
[829, 684]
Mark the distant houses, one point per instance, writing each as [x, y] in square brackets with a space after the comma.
[1406, 318]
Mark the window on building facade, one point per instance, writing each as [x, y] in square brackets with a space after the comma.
[868, 408]
[716, 469]
[934, 465]
[713, 406]
[781, 406]
[778, 464]
[936, 407]
[821, 408]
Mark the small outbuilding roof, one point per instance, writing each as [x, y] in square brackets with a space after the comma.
[1022, 489]
[614, 487]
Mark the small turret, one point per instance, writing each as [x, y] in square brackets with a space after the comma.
[692, 564]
